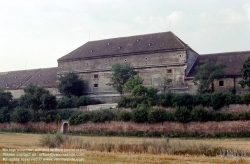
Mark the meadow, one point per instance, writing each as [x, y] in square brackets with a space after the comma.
[120, 150]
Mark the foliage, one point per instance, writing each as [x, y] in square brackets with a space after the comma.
[218, 100]
[183, 100]
[102, 115]
[182, 114]
[132, 82]
[79, 118]
[207, 73]
[4, 114]
[152, 97]
[53, 141]
[198, 113]
[245, 71]
[70, 85]
[5, 98]
[139, 90]
[166, 99]
[120, 75]
[157, 115]
[140, 114]
[21, 115]
[246, 98]
[75, 102]
[124, 115]
[36, 97]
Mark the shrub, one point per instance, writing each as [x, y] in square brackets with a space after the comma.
[218, 100]
[83, 101]
[166, 99]
[202, 99]
[102, 115]
[169, 116]
[53, 141]
[157, 115]
[232, 99]
[4, 115]
[182, 114]
[67, 102]
[183, 100]
[225, 116]
[124, 115]
[79, 118]
[246, 98]
[140, 114]
[21, 115]
[199, 114]
[152, 97]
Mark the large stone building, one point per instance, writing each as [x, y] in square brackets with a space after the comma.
[159, 58]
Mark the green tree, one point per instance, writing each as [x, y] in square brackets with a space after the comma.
[245, 71]
[132, 82]
[36, 97]
[120, 75]
[5, 98]
[206, 74]
[70, 85]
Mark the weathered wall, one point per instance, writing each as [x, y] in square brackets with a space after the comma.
[153, 68]
[228, 83]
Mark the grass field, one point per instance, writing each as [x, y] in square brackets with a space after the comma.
[20, 141]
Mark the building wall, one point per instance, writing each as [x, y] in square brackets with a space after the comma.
[153, 68]
[226, 84]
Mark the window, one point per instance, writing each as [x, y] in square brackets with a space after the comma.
[95, 76]
[169, 70]
[169, 80]
[221, 83]
[95, 85]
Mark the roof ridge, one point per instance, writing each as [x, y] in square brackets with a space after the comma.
[223, 53]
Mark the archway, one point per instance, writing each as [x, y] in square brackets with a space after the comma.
[65, 127]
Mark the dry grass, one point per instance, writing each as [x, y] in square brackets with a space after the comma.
[92, 156]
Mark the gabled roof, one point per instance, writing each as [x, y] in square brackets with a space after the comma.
[232, 60]
[165, 41]
[18, 79]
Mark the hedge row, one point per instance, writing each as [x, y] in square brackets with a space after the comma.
[144, 114]
[23, 115]
[215, 100]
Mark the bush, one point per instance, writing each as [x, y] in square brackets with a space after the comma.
[202, 99]
[166, 100]
[182, 114]
[79, 118]
[53, 141]
[183, 100]
[124, 115]
[232, 99]
[21, 115]
[103, 115]
[218, 100]
[246, 98]
[4, 115]
[199, 114]
[140, 114]
[157, 115]
[83, 101]
[225, 116]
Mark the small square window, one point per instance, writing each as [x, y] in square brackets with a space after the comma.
[95, 76]
[169, 80]
[95, 85]
[221, 83]
[169, 71]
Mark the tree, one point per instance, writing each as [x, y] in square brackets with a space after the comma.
[36, 97]
[120, 75]
[70, 85]
[5, 98]
[132, 82]
[206, 74]
[245, 70]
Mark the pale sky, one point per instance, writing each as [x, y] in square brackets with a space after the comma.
[35, 33]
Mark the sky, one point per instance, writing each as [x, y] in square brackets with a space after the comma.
[35, 33]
